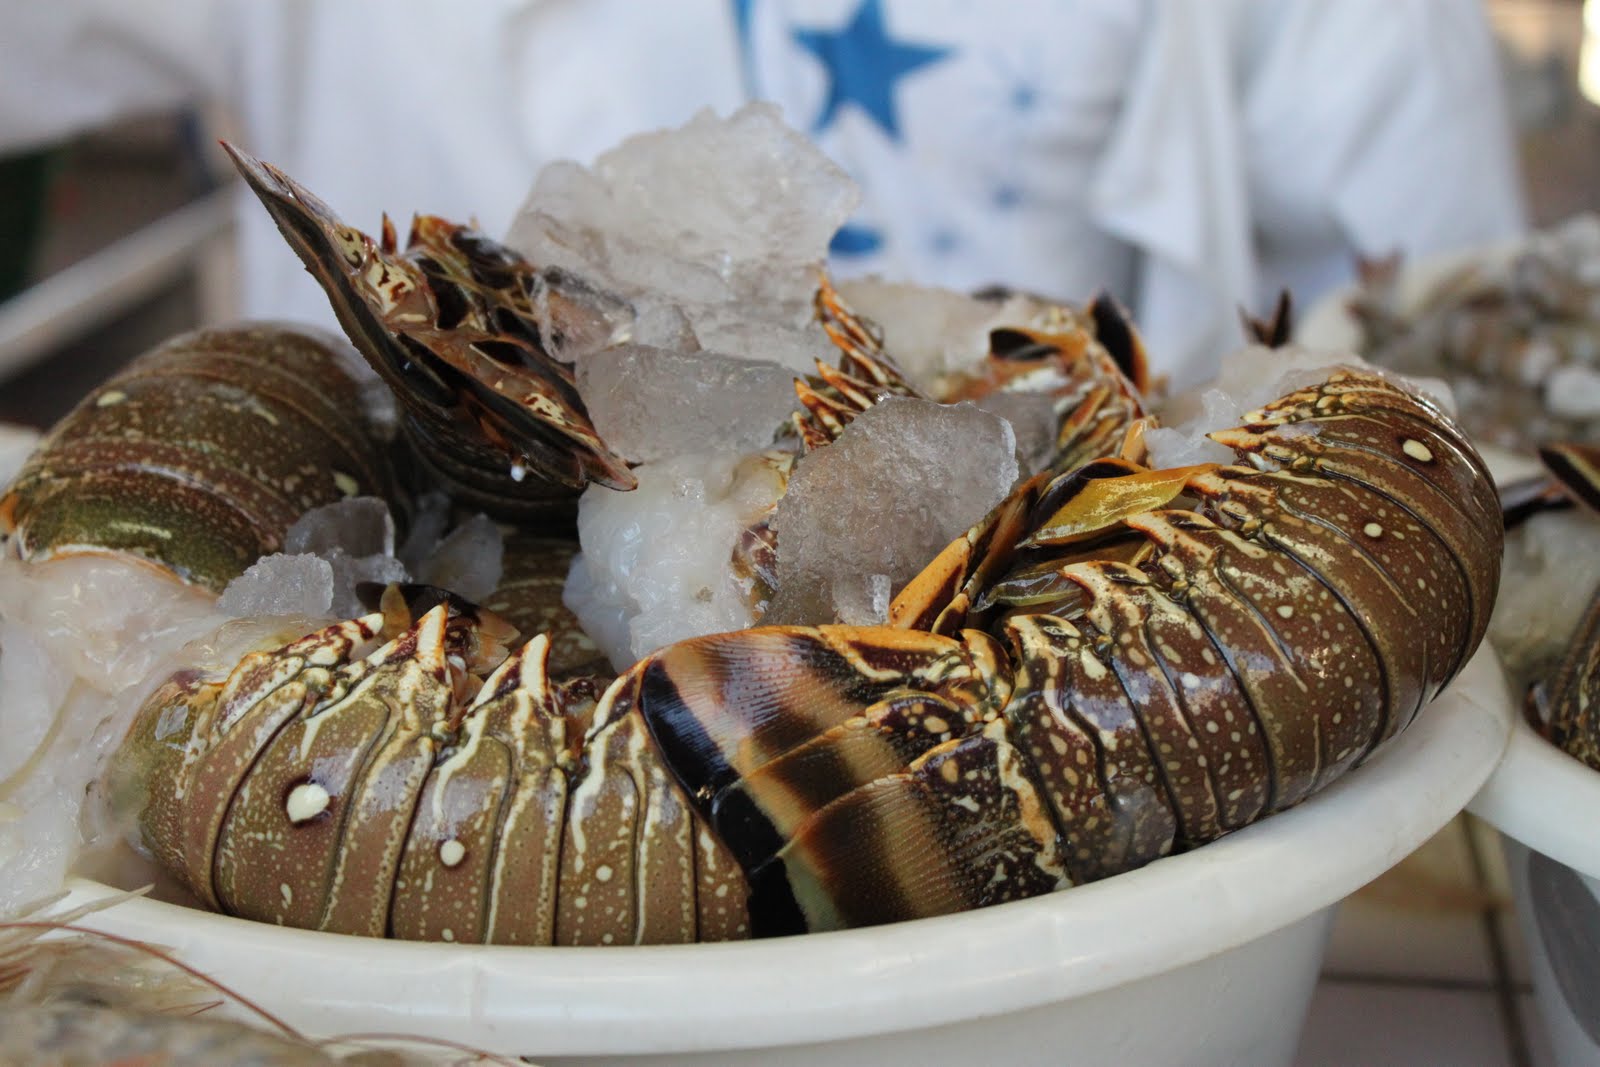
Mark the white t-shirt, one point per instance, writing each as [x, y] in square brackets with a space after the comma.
[1189, 155]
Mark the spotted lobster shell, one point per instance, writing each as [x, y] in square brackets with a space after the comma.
[1056, 707]
[200, 454]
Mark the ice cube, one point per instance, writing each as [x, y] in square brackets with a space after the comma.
[1033, 419]
[662, 324]
[350, 571]
[655, 563]
[1249, 378]
[468, 561]
[718, 210]
[358, 526]
[281, 584]
[795, 342]
[650, 403]
[430, 518]
[904, 479]
[862, 601]
[35, 684]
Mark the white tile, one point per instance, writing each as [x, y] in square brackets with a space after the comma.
[1362, 1025]
[1423, 919]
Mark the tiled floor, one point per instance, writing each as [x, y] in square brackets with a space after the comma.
[1427, 968]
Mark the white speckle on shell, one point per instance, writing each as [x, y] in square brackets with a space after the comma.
[1417, 450]
[306, 801]
[1372, 529]
[452, 852]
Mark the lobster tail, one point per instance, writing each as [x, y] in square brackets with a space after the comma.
[837, 756]
[199, 455]
[1222, 664]
[963, 826]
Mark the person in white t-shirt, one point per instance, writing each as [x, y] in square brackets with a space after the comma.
[1189, 155]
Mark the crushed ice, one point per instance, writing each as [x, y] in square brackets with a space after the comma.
[467, 561]
[903, 480]
[1249, 379]
[1552, 569]
[82, 640]
[725, 220]
[654, 567]
[653, 403]
[327, 552]
[936, 332]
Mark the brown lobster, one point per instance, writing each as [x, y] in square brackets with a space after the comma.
[1115, 664]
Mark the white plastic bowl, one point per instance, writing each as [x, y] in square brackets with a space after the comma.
[1546, 806]
[1207, 958]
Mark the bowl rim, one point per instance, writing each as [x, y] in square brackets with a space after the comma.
[856, 983]
[1538, 795]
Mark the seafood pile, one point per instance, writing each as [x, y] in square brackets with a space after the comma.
[922, 630]
[1547, 625]
[1516, 332]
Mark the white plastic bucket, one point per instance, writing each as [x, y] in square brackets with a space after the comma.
[1207, 958]
[1546, 806]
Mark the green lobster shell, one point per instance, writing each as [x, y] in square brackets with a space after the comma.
[200, 454]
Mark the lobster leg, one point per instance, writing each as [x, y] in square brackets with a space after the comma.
[490, 410]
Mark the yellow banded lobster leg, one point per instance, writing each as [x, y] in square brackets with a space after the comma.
[1080, 506]
[865, 374]
[964, 826]
[942, 594]
[789, 728]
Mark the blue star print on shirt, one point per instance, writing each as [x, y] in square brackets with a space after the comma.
[864, 64]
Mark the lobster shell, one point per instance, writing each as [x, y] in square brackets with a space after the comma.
[200, 454]
[1241, 655]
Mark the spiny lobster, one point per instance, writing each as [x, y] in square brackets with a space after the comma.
[1115, 664]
